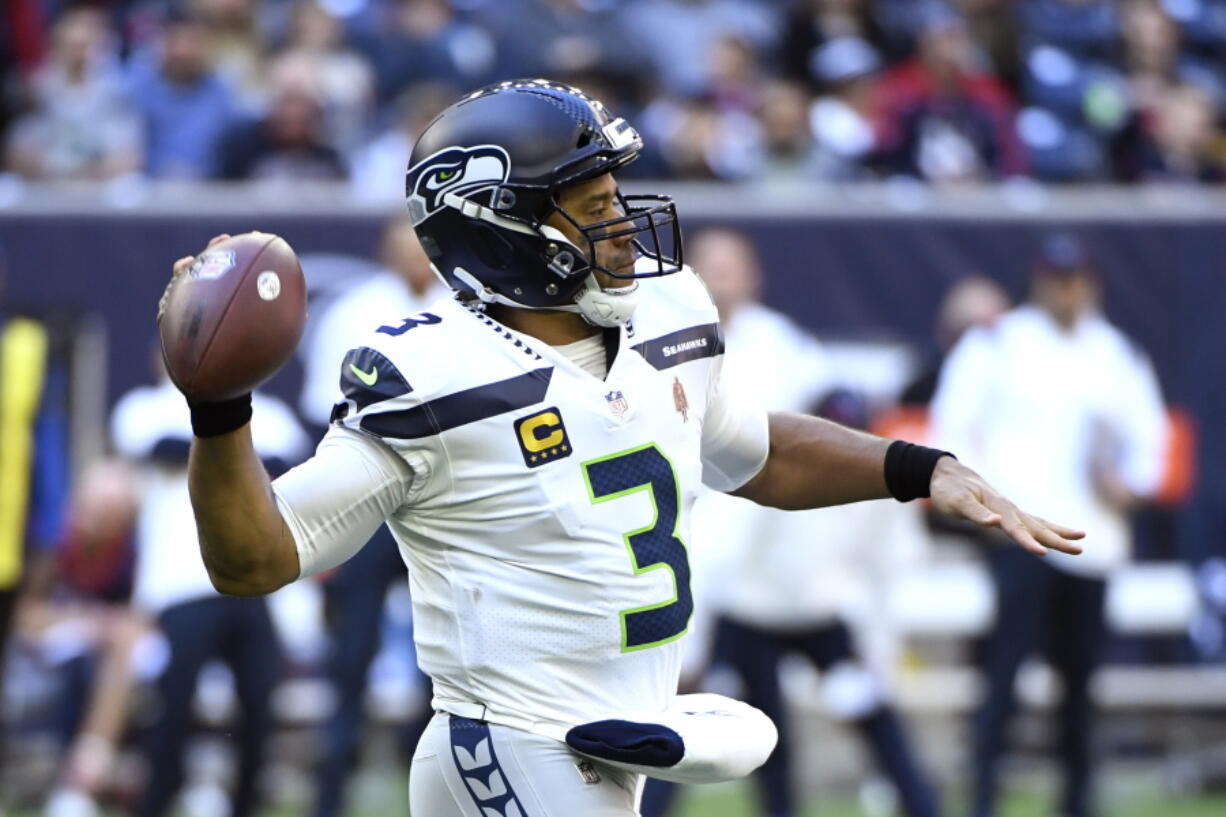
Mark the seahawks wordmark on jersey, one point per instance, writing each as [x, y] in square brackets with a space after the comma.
[545, 529]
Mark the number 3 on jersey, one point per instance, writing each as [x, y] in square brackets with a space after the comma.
[654, 547]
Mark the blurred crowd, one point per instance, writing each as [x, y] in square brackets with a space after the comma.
[947, 91]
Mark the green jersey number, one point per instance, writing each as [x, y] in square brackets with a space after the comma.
[654, 547]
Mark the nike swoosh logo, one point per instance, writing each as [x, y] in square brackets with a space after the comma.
[368, 378]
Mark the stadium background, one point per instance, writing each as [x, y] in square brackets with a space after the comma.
[1103, 118]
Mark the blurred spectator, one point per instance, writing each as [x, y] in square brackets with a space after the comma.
[151, 426]
[356, 592]
[944, 118]
[1179, 141]
[841, 121]
[1098, 428]
[697, 142]
[734, 75]
[993, 28]
[317, 37]
[83, 623]
[82, 125]
[788, 148]
[186, 105]
[972, 302]
[934, 77]
[676, 37]
[238, 45]
[1173, 98]
[377, 168]
[290, 141]
[812, 24]
[425, 40]
[556, 38]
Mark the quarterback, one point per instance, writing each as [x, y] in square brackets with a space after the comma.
[535, 444]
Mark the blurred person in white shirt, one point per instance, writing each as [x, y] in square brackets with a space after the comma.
[1098, 427]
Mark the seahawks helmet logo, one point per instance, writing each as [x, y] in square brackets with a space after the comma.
[462, 171]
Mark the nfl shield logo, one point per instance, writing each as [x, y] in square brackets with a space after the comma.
[617, 403]
[213, 264]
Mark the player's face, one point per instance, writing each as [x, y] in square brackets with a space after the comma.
[591, 202]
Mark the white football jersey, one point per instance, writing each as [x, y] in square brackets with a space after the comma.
[545, 524]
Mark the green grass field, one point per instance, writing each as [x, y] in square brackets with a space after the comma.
[736, 802]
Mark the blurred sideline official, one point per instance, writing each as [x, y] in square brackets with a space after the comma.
[1098, 427]
[151, 426]
[355, 593]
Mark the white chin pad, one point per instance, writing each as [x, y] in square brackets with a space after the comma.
[701, 738]
[606, 307]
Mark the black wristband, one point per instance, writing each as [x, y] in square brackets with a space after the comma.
[222, 417]
[908, 469]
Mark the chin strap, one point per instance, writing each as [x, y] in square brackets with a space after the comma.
[605, 307]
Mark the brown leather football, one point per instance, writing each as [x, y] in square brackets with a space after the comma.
[234, 317]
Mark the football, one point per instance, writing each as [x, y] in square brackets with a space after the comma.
[234, 317]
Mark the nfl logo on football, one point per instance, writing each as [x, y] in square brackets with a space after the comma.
[213, 264]
[617, 403]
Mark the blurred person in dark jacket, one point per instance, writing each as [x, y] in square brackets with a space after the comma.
[944, 117]
[290, 141]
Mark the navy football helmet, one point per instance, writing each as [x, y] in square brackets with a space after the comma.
[486, 174]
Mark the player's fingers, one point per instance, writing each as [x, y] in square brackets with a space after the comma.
[1066, 532]
[217, 238]
[182, 264]
[1051, 538]
[1013, 525]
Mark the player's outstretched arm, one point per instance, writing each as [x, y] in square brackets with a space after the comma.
[814, 463]
[247, 547]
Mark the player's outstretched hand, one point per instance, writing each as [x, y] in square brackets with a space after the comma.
[959, 492]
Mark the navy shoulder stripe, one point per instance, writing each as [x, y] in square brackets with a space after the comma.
[368, 377]
[683, 345]
[463, 407]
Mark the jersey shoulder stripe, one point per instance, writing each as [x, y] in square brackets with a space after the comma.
[691, 343]
[461, 408]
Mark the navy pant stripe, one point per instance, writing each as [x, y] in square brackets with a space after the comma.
[472, 749]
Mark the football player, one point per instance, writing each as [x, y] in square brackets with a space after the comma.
[535, 444]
